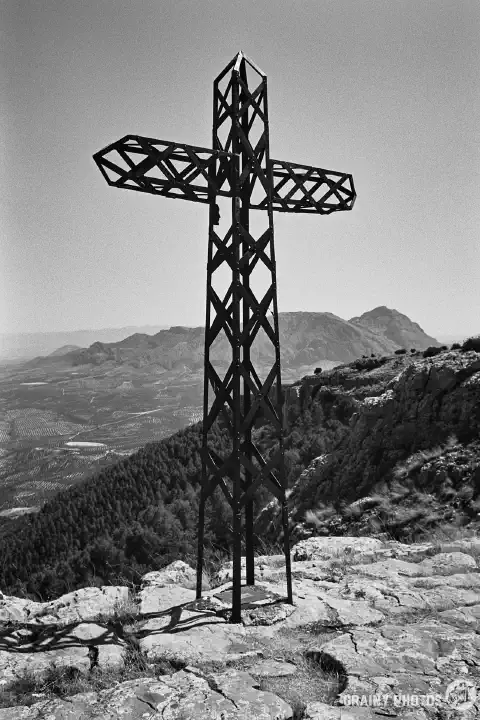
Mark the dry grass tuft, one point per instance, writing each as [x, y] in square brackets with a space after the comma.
[418, 459]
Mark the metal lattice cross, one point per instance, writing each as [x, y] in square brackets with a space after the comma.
[237, 168]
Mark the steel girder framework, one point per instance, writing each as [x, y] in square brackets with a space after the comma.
[186, 172]
[237, 167]
[164, 168]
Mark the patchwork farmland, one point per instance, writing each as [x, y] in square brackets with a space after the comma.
[59, 427]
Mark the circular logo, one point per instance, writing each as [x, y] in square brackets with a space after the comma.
[461, 694]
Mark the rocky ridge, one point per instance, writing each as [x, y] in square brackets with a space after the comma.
[412, 440]
[373, 622]
[305, 338]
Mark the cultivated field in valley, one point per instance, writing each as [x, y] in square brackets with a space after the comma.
[57, 427]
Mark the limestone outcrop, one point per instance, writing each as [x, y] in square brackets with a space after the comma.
[417, 420]
[374, 624]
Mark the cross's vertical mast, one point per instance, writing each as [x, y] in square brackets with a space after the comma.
[244, 312]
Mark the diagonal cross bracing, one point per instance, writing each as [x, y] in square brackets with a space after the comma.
[165, 168]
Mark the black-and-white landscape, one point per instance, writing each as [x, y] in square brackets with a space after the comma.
[328, 566]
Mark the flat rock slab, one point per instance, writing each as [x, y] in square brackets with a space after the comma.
[252, 596]
[202, 641]
[154, 600]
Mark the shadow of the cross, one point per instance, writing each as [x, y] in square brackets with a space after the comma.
[175, 623]
[34, 638]
[31, 637]
[196, 618]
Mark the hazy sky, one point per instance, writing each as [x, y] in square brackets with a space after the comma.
[385, 89]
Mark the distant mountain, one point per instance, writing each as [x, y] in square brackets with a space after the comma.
[64, 350]
[306, 338]
[28, 345]
[178, 347]
[396, 327]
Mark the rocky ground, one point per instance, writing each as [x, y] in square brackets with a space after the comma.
[378, 629]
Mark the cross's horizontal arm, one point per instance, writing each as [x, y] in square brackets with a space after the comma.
[165, 168]
[301, 188]
[193, 173]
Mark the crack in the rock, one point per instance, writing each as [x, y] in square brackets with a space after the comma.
[353, 641]
[214, 686]
[147, 702]
[386, 594]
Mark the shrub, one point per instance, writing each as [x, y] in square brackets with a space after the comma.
[456, 346]
[19, 691]
[472, 343]
[325, 394]
[56, 681]
[431, 351]
[369, 363]
[413, 350]
[317, 371]
[400, 351]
